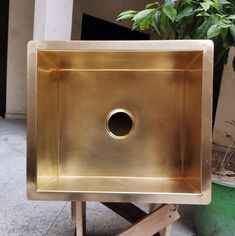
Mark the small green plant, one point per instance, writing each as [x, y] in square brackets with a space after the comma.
[208, 19]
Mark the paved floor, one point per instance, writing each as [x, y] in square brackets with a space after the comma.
[20, 217]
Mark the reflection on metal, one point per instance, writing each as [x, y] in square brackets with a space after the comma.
[163, 154]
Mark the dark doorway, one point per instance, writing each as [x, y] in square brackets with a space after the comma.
[97, 29]
[4, 15]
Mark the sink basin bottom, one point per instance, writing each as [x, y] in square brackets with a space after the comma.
[94, 184]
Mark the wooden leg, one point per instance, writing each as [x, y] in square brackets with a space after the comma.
[78, 213]
[153, 207]
[73, 207]
[154, 222]
[166, 231]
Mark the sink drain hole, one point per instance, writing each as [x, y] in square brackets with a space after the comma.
[119, 123]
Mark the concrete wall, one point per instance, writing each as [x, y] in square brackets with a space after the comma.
[20, 32]
[225, 114]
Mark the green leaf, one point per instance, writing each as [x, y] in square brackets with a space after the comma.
[187, 11]
[156, 17]
[145, 24]
[224, 2]
[226, 45]
[170, 12]
[185, 2]
[224, 33]
[232, 31]
[142, 14]
[220, 16]
[213, 31]
[152, 4]
[135, 26]
[154, 25]
[206, 5]
[164, 22]
[199, 9]
[143, 19]
[224, 23]
[231, 17]
[170, 3]
[124, 17]
[127, 13]
[203, 14]
[216, 5]
[201, 32]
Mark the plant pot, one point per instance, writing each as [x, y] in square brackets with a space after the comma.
[218, 218]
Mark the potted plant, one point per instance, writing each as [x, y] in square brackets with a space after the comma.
[193, 19]
[218, 218]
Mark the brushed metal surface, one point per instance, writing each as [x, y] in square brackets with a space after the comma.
[75, 87]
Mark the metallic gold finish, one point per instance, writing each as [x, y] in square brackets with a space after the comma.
[73, 90]
[119, 110]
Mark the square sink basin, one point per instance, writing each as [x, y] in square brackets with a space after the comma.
[120, 121]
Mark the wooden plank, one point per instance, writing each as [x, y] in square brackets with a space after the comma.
[167, 230]
[153, 207]
[154, 222]
[79, 217]
[128, 211]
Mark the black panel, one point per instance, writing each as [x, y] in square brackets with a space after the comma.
[4, 14]
[97, 29]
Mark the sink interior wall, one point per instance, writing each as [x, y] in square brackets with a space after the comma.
[76, 91]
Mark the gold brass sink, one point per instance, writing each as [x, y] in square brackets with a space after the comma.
[120, 121]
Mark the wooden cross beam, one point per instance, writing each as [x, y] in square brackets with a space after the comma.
[158, 220]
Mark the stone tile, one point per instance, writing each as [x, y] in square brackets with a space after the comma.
[63, 224]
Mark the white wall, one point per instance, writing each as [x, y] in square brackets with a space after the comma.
[226, 106]
[20, 32]
[53, 19]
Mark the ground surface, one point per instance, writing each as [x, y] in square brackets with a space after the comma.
[20, 217]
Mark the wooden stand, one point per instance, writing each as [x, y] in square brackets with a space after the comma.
[157, 222]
